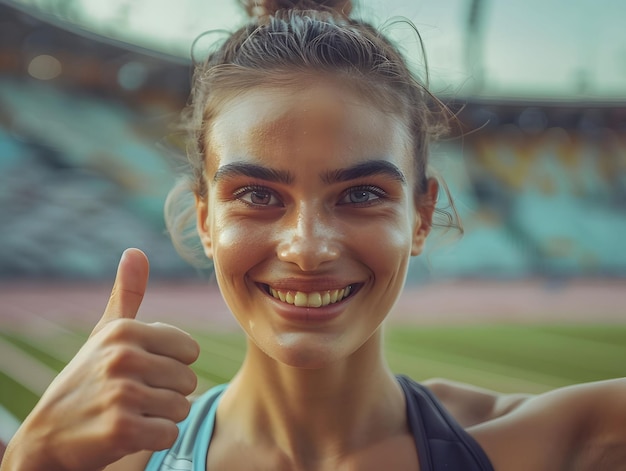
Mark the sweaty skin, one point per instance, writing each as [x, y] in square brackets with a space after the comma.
[292, 227]
[312, 191]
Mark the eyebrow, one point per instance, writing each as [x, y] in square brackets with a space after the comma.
[253, 171]
[365, 169]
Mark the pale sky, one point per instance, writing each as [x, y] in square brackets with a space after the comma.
[530, 48]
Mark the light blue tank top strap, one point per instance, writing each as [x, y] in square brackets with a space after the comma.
[189, 451]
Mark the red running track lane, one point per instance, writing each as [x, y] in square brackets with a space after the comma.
[199, 305]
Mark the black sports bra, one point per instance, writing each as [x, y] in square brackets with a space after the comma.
[442, 444]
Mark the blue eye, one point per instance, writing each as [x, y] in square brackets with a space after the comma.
[362, 195]
[257, 196]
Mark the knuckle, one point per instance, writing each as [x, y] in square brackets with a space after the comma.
[117, 329]
[121, 358]
[190, 382]
[127, 433]
[122, 429]
[195, 350]
[180, 409]
[193, 347]
[124, 392]
[167, 436]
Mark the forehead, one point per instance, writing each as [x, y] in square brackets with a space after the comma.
[323, 121]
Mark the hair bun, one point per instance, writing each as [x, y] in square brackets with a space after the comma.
[263, 8]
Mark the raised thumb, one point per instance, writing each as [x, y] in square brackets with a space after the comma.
[129, 287]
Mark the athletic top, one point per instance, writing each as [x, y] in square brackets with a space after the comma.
[441, 442]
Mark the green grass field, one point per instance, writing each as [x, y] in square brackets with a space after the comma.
[502, 357]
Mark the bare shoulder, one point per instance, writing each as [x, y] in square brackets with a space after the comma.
[599, 407]
[603, 401]
[471, 405]
[134, 462]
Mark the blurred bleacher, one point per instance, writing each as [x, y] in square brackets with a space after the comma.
[540, 186]
[541, 189]
[83, 173]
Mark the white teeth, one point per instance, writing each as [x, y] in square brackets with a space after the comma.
[300, 299]
[313, 299]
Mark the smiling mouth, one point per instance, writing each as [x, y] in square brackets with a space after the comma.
[313, 299]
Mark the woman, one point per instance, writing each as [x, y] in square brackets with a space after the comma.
[311, 194]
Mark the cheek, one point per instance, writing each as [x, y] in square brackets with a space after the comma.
[395, 245]
[237, 246]
[383, 243]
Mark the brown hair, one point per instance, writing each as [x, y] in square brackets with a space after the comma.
[265, 8]
[286, 41]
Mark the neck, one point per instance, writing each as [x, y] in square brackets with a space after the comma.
[314, 414]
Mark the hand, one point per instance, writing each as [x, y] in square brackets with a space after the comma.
[123, 392]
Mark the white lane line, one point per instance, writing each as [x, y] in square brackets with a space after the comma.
[25, 369]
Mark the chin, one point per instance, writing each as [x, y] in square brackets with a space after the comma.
[306, 353]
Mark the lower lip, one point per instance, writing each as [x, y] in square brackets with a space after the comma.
[307, 315]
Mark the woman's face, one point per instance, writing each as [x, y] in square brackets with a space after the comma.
[310, 218]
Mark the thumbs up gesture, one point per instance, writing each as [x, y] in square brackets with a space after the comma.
[123, 392]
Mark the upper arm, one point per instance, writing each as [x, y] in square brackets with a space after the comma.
[597, 410]
[134, 462]
[580, 427]
[607, 410]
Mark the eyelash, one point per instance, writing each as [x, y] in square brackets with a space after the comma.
[378, 192]
[250, 189]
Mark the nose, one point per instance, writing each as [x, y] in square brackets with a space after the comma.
[308, 239]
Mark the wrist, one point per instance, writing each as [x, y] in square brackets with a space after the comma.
[26, 451]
